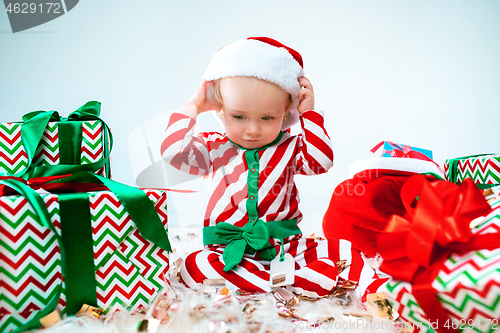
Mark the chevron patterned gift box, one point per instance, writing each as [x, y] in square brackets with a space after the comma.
[468, 287]
[482, 169]
[53, 142]
[129, 270]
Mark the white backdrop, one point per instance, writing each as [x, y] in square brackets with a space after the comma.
[424, 73]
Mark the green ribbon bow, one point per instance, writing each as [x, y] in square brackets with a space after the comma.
[255, 235]
[70, 132]
[252, 237]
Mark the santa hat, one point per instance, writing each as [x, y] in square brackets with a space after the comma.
[265, 59]
[396, 166]
[361, 206]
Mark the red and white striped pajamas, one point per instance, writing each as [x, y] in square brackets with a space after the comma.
[249, 185]
[316, 274]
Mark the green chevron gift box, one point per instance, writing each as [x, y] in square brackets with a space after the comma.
[46, 144]
[484, 169]
[110, 249]
[467, 287]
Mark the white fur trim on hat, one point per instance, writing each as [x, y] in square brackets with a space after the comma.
[398, 164]
[254, 58]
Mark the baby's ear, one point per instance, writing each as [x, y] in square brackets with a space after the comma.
[211, 97]
[217, 106]
[220, 116]
[210, 94]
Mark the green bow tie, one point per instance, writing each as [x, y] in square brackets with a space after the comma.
[69, 132]
[250, 238]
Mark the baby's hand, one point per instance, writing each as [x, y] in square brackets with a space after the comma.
[200, 100]
[306, 95]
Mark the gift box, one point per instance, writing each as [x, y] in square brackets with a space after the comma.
[460, 290]
[482, 169]
[392, 149]
[44, 139]
[126, 270]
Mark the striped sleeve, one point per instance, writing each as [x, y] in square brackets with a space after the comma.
[315, 154]
[181, 149]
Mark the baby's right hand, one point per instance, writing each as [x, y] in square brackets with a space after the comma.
[201, 101]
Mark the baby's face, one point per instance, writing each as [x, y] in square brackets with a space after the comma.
[253, 110]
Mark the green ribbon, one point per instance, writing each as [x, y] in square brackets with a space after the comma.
[80, 283]
[76, 241]
[252, 237]
[76, 232]
[453, 170]
[42, 217]
[70, 133]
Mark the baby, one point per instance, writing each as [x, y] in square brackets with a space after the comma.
[258, 89]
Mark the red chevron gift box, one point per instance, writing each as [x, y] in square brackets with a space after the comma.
[46, 144]
[484, 169]
[446, 277]
[106, 247]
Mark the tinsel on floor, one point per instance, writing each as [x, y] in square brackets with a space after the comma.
[215, 309]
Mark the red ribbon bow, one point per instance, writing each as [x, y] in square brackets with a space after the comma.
[52, 184]
[436, 224]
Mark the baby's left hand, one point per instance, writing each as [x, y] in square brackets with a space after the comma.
[306, 95]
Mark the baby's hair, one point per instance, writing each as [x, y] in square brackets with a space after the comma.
[218, 95]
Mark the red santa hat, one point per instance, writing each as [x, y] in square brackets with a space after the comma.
[265, 59]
